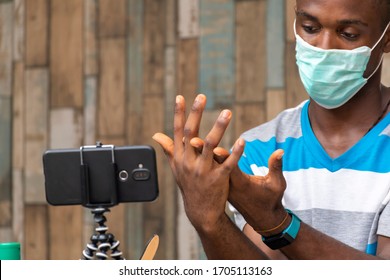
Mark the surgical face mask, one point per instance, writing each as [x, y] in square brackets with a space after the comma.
[332, 77]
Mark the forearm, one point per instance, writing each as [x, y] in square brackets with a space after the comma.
[226, 241]
[311, 244]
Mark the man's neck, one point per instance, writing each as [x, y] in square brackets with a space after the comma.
[339, 129]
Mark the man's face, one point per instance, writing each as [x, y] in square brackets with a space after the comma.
[341, 24]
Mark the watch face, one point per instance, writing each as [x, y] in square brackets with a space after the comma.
[278, 241]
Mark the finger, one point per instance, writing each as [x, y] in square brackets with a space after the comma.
[238, 177]
[165, 142]
[231, 162]
[191, 128]
[220, 154]
[178, 124]
[215, 135]
[197, 143]
[275, 167]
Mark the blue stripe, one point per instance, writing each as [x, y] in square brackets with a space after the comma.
[371, 248]
[371, 153]
[298, 156]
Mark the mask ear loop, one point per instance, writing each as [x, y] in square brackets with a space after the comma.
[380, 39]
[376, 69]
[380, 62]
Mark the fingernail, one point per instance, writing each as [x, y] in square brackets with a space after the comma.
[178, 98]
[279, 157]
[225, 114]
[198, 99]
[239, 144]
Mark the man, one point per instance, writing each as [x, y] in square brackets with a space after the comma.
[330, 197]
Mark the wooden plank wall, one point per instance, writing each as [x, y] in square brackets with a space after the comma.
[76, 71]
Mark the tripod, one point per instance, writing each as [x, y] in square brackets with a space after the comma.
[102, 242]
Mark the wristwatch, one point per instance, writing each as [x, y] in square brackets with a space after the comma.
[287, 236]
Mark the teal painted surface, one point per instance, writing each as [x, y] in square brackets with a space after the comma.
[5, 148]
[6, 34]
[134, 213]
[90, 89]
[217, 67]
[135, 54]
[275, 43]
[6, 12]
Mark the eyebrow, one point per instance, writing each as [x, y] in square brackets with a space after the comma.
[343, 21]
[352, 21]
[306, 15]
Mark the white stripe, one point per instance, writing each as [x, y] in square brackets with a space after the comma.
[386, 200]
[344, 190]
[259, 170]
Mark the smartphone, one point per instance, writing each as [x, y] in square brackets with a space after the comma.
[100, 176]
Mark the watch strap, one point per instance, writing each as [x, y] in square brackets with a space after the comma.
[287, 236]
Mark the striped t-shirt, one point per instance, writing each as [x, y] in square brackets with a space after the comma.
[347, 197]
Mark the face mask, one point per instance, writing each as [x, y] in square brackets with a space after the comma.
[332, 77]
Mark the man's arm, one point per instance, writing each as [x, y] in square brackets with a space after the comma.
[256, 239]
[309, 243]
[312, 244]
[225, 241]
[315, 245]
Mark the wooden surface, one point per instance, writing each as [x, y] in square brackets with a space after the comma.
[77, 71]
[66, 53]
[37, 24]
[111, 107]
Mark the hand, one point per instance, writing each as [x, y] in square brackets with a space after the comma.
[203, 182]
[257, 198]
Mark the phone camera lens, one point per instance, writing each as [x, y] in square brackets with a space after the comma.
[141, 174]
[123, 175]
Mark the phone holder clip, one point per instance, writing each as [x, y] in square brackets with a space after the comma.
[86, 186]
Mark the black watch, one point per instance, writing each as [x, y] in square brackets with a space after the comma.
[287, 236]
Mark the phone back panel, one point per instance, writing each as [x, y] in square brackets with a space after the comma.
[135, 175]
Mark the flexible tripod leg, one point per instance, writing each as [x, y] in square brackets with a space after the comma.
[102, 242]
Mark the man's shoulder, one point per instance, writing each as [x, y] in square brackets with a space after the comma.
[286, 124]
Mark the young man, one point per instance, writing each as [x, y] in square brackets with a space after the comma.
[330, 197]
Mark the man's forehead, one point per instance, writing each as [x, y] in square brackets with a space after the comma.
[345, 8]
[371, 2]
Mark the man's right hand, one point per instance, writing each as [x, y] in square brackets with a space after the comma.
[203, 182]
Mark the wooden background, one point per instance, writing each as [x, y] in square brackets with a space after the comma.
[77, 71]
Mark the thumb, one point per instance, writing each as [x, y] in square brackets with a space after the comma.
[165, 142]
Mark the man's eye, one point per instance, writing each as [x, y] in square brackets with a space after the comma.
[310, 29]
[349, 36]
